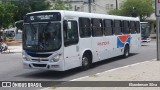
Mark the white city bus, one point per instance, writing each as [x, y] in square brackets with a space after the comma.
[61, 40]
[145, 32]
[11, 34]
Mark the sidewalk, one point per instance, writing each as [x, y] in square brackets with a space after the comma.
[145, 71]
[153, 36]
[15, 49]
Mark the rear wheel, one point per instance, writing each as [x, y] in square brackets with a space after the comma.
[126, 51]
[86, 62]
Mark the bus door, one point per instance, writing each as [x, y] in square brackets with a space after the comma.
[97, 39]
[134, 36]
[71, 45]
[109, 39]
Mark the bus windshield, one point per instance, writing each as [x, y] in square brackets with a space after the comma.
[42, 36]
[10, 34]
[145, 30]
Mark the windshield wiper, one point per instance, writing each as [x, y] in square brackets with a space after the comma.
[31, 26]
[44, 39]
[45, 28]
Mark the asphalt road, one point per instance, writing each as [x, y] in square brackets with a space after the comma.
[11, 68]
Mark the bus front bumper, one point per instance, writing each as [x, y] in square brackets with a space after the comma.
[56, 66]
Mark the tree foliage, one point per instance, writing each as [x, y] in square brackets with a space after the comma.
[6, 14]
[61, 5]
[141, 8]
[14, 10]
[38, 5]
[21, 9]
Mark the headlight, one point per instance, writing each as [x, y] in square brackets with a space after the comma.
[24, 57]
[56, 58]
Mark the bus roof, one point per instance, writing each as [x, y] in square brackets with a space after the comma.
[85, 14]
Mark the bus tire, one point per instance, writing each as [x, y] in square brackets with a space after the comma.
[86, 62]
[126, 51]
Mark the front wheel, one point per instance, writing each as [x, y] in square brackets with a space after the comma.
[126, 51]
[86, 62]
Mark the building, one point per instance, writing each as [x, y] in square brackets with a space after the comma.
[104, 6]
[97, 6]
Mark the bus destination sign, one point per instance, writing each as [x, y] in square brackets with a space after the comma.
[43, 17]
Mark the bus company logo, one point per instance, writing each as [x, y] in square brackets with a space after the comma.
[39, 60]
[103, 43]
[6, 84]
[41, 46]
[121, 40]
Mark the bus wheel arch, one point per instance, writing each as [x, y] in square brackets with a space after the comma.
[86, 60]
[126, 51]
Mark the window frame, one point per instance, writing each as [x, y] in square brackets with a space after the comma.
[125, 27]
[108, 27]
[132, 29]
[116, 28]
[69, 43]
[138, 27]
[97, 28]
[89, 28]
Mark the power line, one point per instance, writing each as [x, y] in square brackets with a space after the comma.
[104, 9]
[99, 5]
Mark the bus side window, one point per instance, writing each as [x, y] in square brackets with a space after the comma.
[117, 27]
[133, 27]
[126, 27]
[107, 27]
[84, 27]
[97, 27]
[70, 33]
[138, 27]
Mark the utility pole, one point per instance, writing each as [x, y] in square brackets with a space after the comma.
[75, 8]
[157, 13]
[116, 5]
[89, 6]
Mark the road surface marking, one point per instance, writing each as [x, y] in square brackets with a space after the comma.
[113, 69]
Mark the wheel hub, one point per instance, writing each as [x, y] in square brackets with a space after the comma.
[85, 61]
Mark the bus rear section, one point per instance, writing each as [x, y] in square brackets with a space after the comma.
[145, 32]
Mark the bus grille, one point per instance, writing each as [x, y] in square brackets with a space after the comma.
[39, 65]
[38, 60]
[38, 55]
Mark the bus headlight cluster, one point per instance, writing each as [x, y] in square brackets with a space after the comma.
[24, 57]
[56, 58]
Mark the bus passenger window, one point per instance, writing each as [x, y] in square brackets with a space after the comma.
[117, 27]
[137, 27]
[97, 27]
[108, 27]
[84, 27]
[133, 27]
[125, 27]
[71, 33]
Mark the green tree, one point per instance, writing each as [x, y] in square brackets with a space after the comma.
[22, 8]
[38, 5]
[141, 8]
[6, 15]
[25, 6]
[61, 5]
